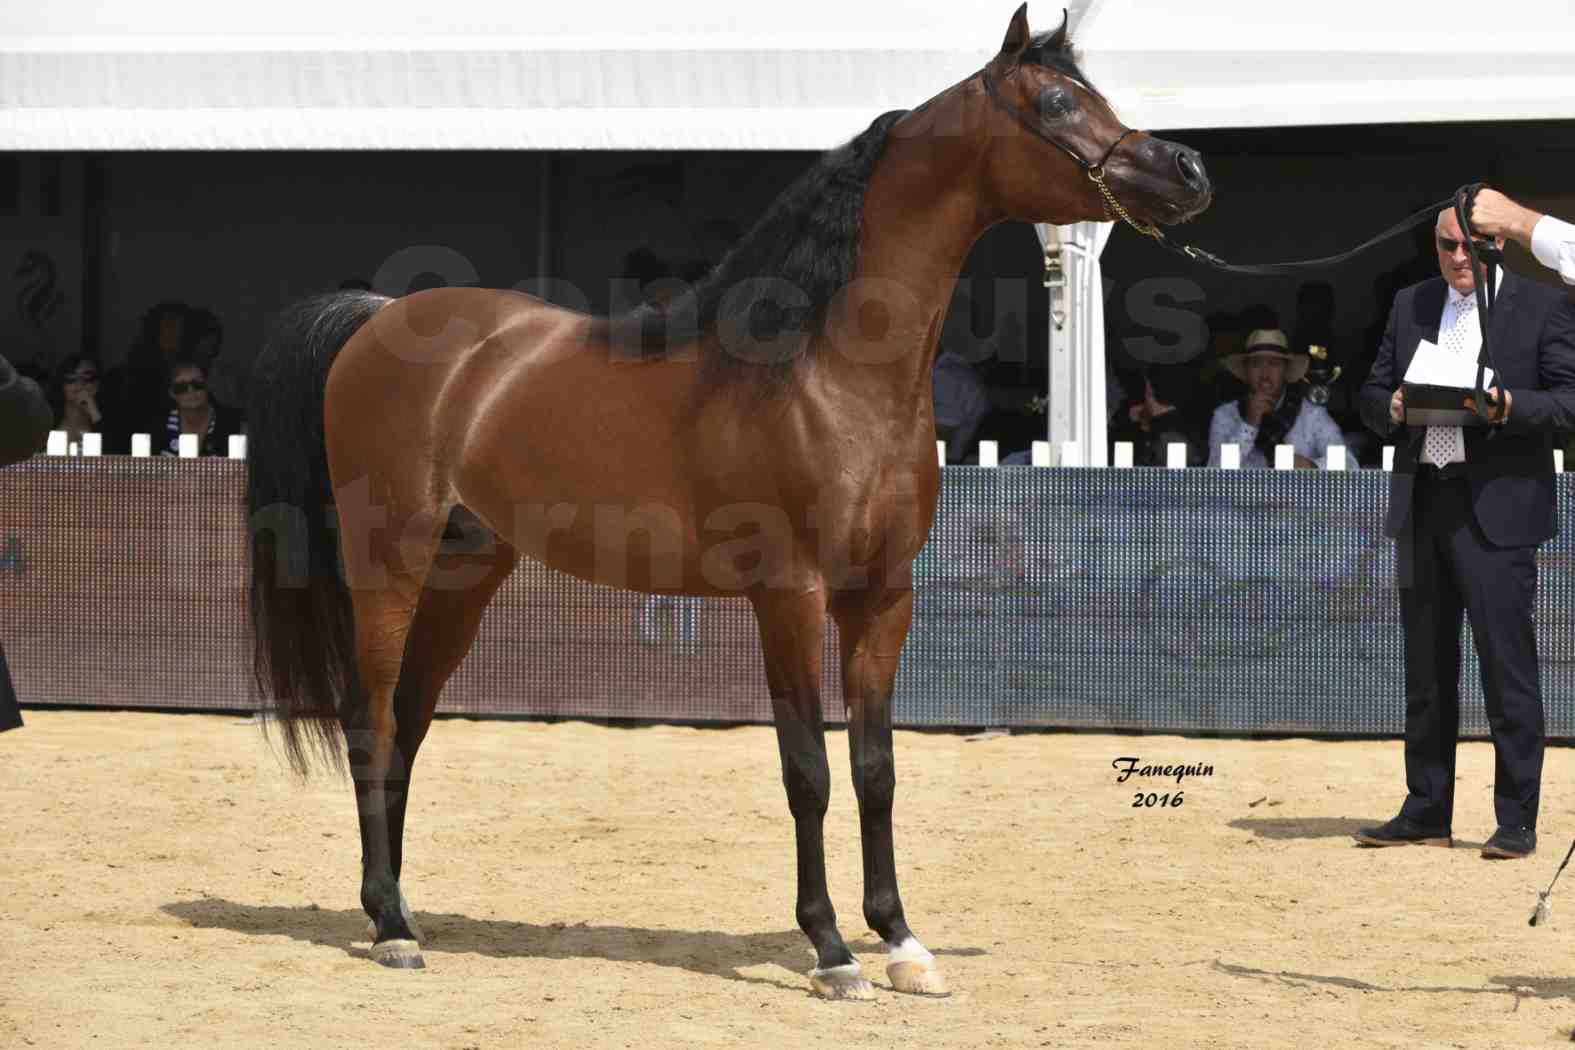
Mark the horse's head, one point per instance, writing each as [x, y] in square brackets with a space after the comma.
[1055, 141]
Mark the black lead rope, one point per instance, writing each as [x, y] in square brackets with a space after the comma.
[1483, 259]
[1281, 269]
[1483, 263]
[1482, 275]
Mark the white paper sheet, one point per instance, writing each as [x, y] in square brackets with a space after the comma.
[1433, 366]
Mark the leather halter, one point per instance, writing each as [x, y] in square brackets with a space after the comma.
[1095, 172]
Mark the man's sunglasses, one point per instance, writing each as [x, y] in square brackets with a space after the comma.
[83, 377]
[1448, 245]
[181, 388]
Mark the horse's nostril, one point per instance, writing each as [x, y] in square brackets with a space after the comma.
[1187, 165]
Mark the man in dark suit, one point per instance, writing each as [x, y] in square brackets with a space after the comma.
[24, 416]
[1468, 507]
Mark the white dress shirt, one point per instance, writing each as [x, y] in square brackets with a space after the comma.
[1553, 243]
[1470, 346]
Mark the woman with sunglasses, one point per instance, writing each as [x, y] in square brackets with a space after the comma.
[24, 416]
[73, 395]
[192, 410]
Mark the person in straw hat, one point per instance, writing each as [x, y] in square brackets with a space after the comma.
[1272, 411]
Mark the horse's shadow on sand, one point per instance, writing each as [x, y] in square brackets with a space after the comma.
[711, 953]
[1518, 987]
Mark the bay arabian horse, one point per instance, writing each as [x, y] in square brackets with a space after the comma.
[769, 433]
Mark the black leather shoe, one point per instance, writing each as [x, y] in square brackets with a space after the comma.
[1403, 831]
[1510, 844]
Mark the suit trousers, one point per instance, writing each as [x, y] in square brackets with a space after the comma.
[1445, 567]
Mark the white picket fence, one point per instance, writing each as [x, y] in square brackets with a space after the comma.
[141, 445]
[989, 452]
[1176, 456]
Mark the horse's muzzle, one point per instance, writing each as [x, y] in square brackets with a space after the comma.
[1173, 181]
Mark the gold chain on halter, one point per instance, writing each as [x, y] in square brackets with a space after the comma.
[1147, 230]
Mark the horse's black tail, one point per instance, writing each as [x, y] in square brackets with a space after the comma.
[302, 630]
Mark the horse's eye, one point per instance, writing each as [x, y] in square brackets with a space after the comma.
[1055, 103]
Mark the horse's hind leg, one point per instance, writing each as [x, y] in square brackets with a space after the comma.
[465, 575]
[792, 631]
[872, 627]
[387, 549]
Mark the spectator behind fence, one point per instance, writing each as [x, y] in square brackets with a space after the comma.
[202, 340]
[133, 392]
[73, 398]
[1165, 414]
[1273, 411]
[961, 403]
[24, 416]
[192, 410]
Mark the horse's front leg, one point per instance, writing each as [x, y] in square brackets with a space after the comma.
[873, 627]
[792, 631]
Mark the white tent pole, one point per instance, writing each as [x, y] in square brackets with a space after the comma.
[1059, 375]
[1075, 400]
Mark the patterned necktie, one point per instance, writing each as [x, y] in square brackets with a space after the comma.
[1447, 444]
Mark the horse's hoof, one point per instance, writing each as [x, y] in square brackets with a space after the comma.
[398, 955]
[841, 982]
[917, 978]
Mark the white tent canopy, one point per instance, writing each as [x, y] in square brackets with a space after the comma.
[1225, 64]
[707, 74]
[301, 74]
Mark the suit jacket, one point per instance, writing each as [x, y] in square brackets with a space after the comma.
[1509, 468]
[25, 417]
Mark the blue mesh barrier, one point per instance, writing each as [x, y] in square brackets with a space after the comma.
[1196, 600]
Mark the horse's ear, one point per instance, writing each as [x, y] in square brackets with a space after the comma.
[1016, 34]
[1057, 41]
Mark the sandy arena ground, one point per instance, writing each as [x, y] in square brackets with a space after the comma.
[163, 882]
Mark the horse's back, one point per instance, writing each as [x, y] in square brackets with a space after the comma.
[499, 401]
[409, 384]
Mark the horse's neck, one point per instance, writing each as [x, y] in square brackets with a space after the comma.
[923, 211]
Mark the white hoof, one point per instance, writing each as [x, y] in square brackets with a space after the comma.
[841, 982]
[398, 955]
[911, 969]
[916, 978]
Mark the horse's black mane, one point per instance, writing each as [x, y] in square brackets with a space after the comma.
[1053, 50]
[765, 297]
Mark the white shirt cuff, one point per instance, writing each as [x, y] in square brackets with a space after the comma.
[1553, 244]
